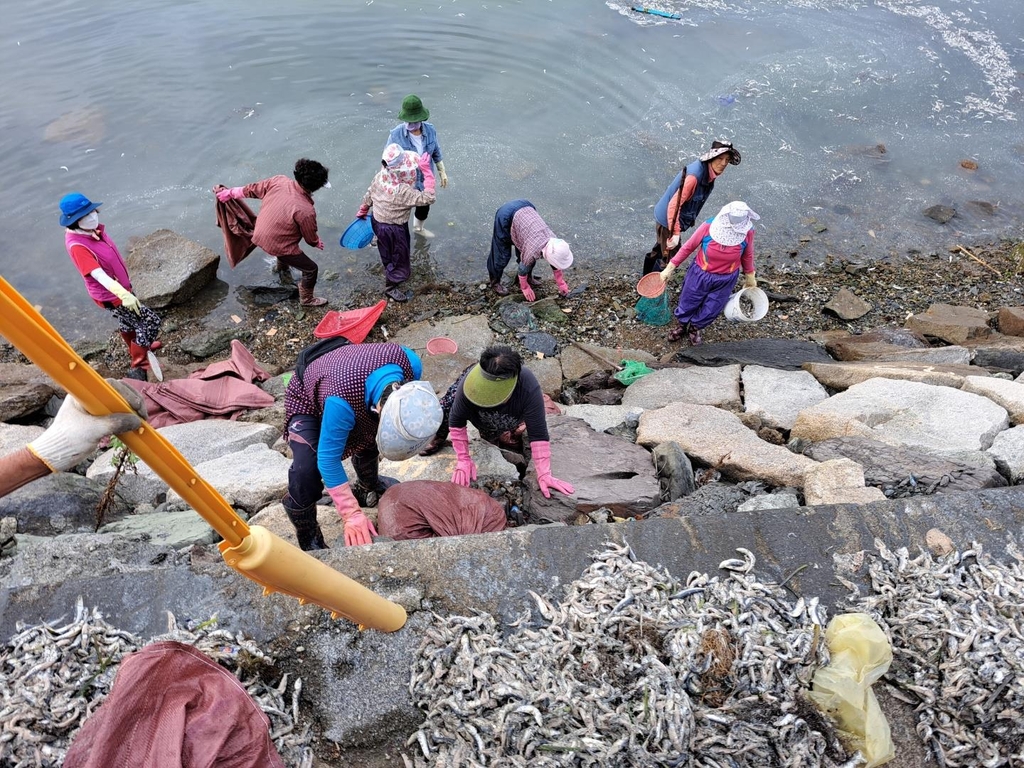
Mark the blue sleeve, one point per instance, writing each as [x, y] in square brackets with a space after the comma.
[436, 154]
[337, 422]
[415, 363]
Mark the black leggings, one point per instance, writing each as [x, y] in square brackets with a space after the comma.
[305, 486]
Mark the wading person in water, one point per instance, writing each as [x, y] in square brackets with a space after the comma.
[393, 196]
[724, 245]
[287, 217]
[681, 203]
[106, 278]
[518, 226]
[418, 136]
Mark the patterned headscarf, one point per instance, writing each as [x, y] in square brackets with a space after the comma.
[400, 167]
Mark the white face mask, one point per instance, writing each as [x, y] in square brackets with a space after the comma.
[89, 221]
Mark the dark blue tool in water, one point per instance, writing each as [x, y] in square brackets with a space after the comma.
[656, 12]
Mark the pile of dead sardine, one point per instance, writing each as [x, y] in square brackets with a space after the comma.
[631, 668]
[957, 630]
[53, 677]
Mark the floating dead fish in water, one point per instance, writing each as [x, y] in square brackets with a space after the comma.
[630, 668]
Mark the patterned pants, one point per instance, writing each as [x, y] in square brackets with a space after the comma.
[145, 324]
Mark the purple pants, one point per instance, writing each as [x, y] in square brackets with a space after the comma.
[393, 244]
[704, 296]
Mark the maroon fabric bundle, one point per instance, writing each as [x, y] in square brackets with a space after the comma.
[237, 222]
[221, 390]
[174, 707]
[422, 509]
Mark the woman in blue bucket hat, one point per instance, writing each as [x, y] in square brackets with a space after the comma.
[105, 273]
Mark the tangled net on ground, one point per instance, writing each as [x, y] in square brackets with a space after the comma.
[957, 633]
[631, 668]
[53, 677]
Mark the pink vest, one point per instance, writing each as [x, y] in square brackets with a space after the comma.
[107, 256]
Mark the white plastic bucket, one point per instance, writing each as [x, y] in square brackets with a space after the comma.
[756, 296]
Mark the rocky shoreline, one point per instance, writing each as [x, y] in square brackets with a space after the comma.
[894, 379]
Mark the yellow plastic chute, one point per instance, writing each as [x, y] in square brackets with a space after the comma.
[253, 551]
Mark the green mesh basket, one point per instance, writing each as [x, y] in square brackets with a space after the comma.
[631, 371]
[655, 311]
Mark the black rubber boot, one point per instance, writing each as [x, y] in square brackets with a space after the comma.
[307, 529]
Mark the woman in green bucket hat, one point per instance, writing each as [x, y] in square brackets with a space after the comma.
[415, 134]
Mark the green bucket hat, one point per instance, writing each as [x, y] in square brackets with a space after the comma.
[413, 110]
[485, 390]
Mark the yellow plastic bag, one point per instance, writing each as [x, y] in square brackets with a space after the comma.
[861, 654]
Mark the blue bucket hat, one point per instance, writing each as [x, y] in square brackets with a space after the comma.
[74, 206]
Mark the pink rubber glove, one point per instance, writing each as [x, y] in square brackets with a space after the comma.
[429, 185]
[358, 527]
[234, 193]
[541, 454]
[524, 283]
[320, 243]
[465, 469]
[363, 211]
[563, 287]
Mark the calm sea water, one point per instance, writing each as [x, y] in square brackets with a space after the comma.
[584, 107]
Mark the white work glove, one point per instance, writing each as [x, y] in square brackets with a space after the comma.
[750, 280]
[672, 242]
[442, 174]
[74, 433]
[666, 273]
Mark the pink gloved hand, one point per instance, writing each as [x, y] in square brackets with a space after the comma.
[362, 212]
[232, 193]
[358, 527]
[563, 287]
[429, 185]
[465, 469]
[320, 243]
[540, 451]
[524, 283]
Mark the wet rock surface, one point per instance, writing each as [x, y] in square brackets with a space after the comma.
[167, 268]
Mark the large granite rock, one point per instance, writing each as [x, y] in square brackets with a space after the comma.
[769, 501]
[1000, 352]
[1011, 321]
[15, 436]
[787, 354]
[213, 341]
[939, 419]
[894, 345]
[952, 324]
[577, 363]
[602, 417]
[886, 466]
[710, 499]
[1008, 394]
[777, 396]
[838, 481]
[846, 305]
[1008, 451]
[718, 439]
[198, 441]
[705, 386]
[470, 332]
[175, 529]
[167, 268]
[60, 503]
[606, 471]
[24, 389]
[251, 478]
[488, 459]
[845, 375]
[548, 372]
